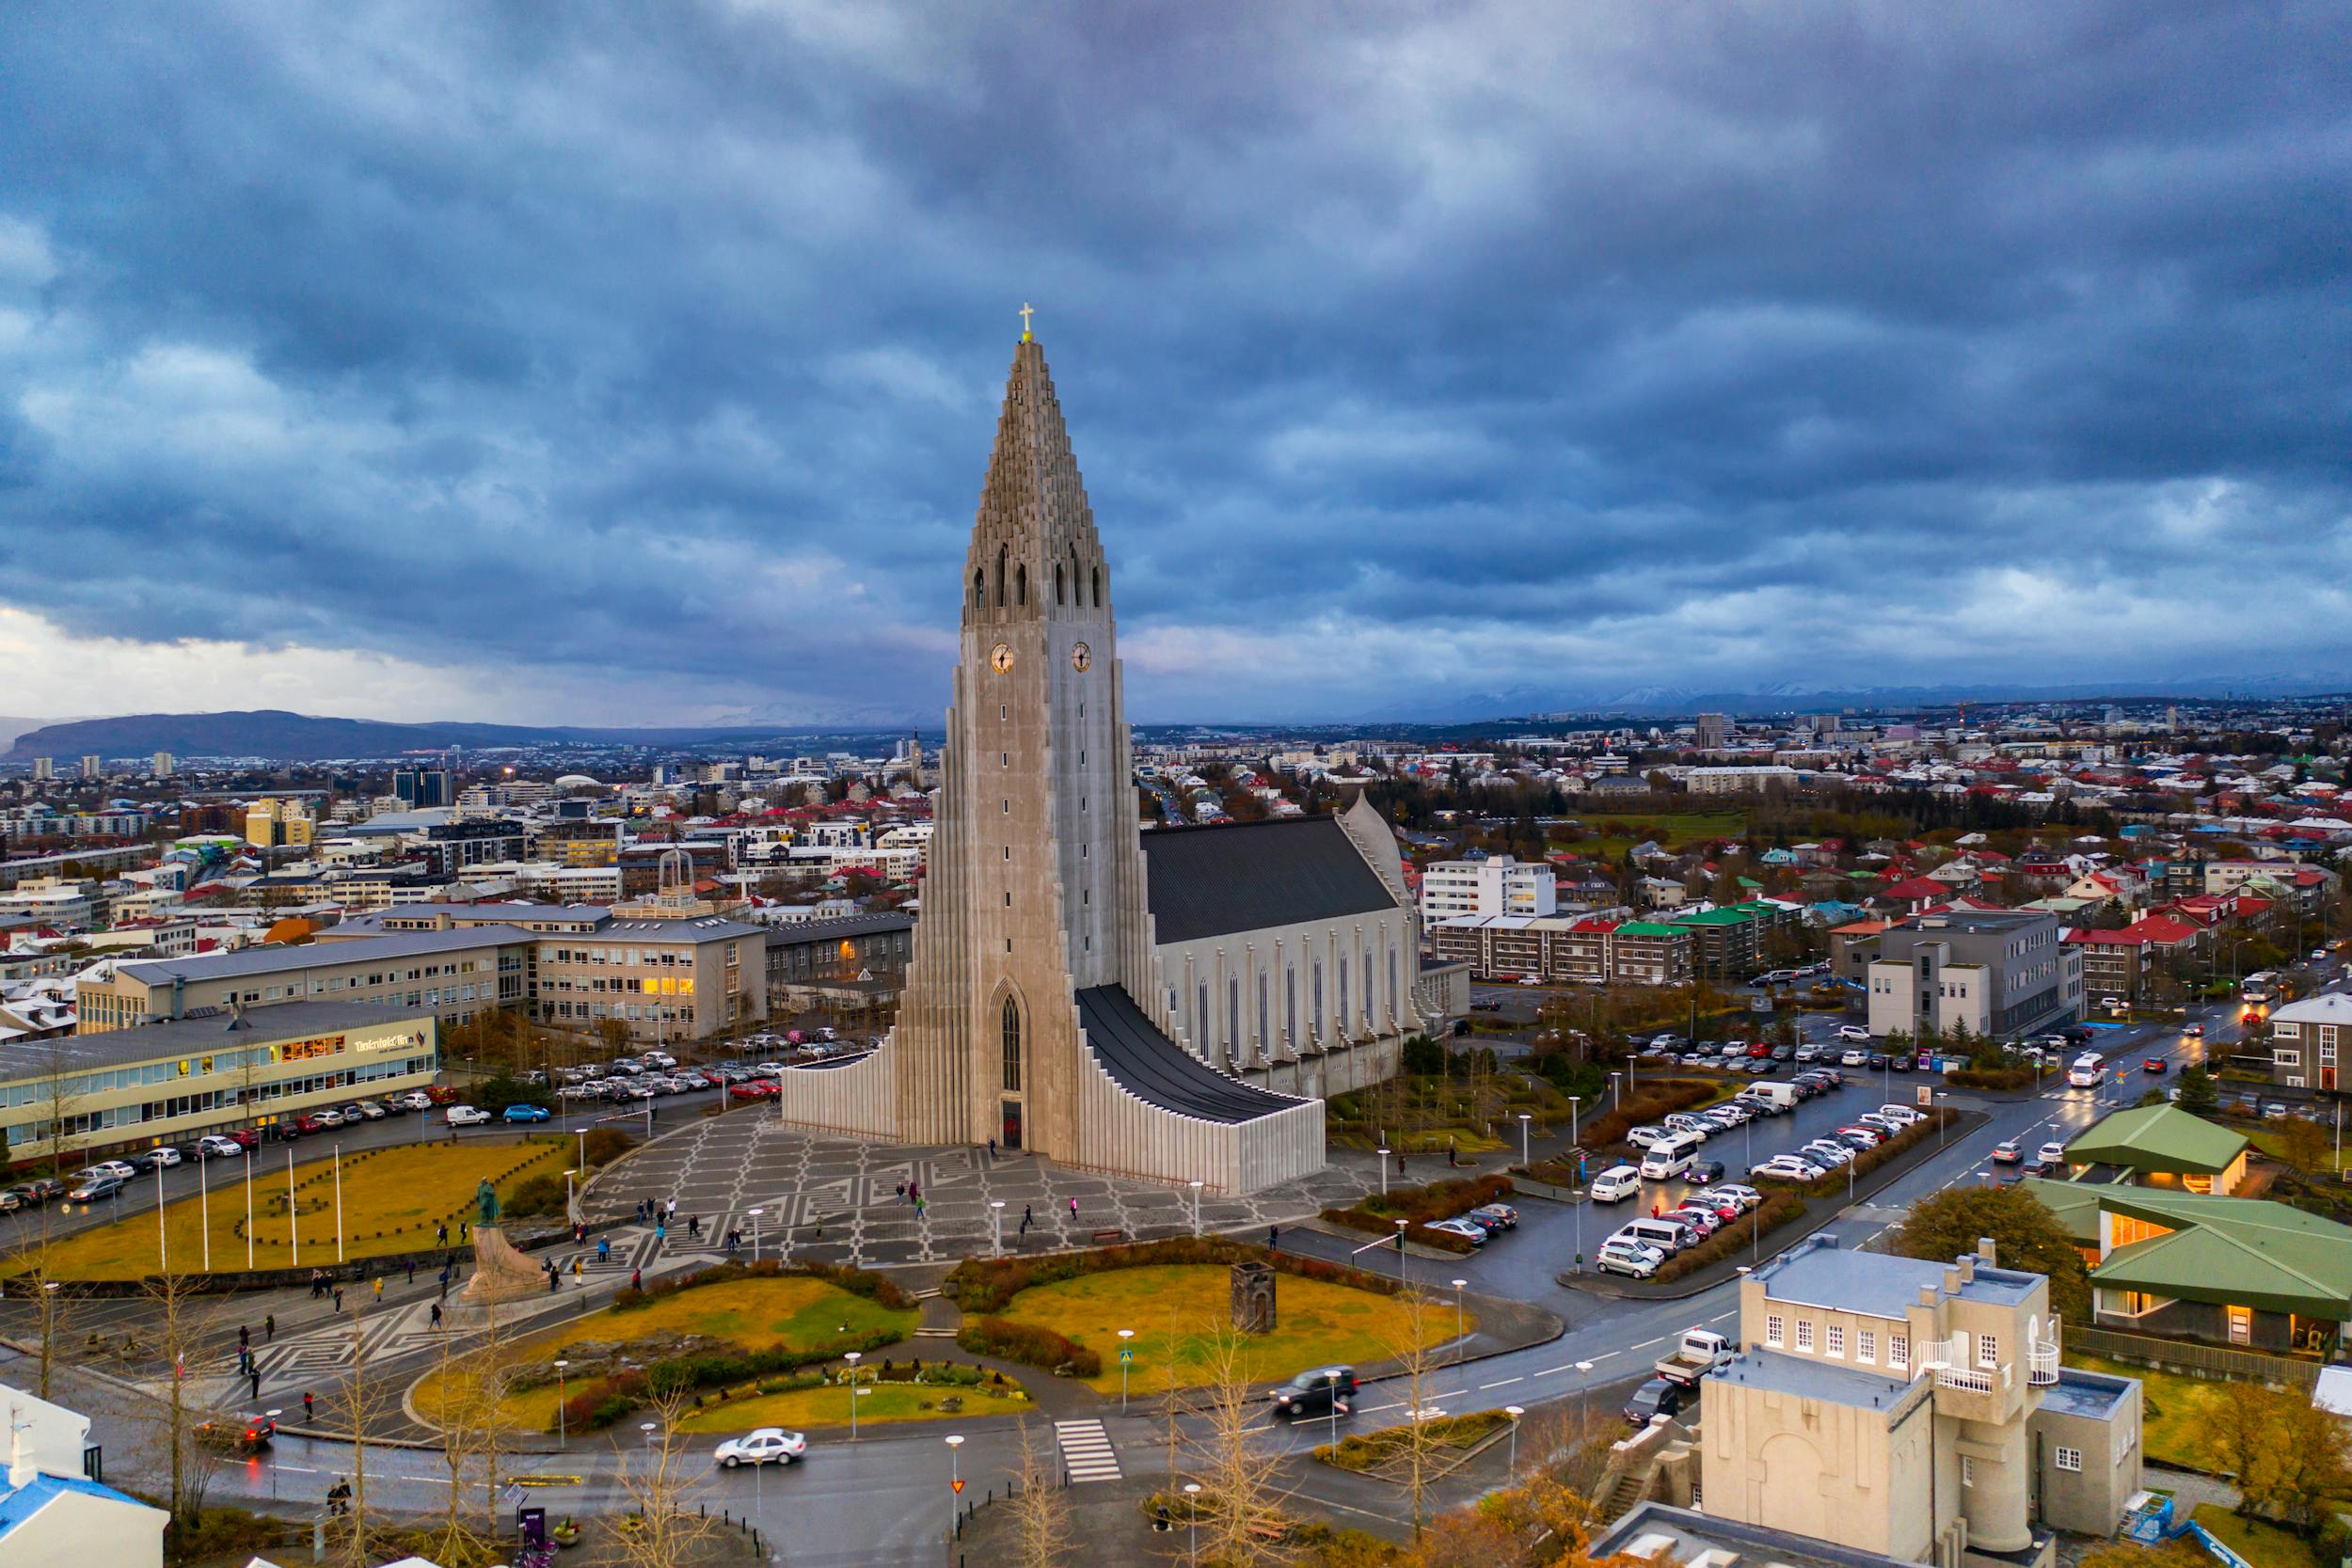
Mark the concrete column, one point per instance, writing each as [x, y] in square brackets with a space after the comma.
[1994, 1501]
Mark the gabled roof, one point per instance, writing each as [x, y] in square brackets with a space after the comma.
[1211, 881]
[2248, 1252]
[2156, 1138]
[19, 1504]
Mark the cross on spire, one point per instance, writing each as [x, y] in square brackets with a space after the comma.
[1026, 311]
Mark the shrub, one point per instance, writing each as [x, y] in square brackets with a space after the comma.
[875, 1288]
[1029, 1345]
[537, 1194]
[1658, 1098]
[985, 1284]
[1990, 1078]
[1379, 1212]
[1780, 1208]
[605, 1145]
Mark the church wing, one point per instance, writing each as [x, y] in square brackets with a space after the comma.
[1215, 882]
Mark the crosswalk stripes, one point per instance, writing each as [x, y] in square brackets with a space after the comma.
[1086, 1450]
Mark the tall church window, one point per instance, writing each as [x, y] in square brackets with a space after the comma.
[1021, 584]
[1201, 1026]
[1343, 1019]
[1392, 1009]
[980, 588]
[1000, 577]
[1264, 1047]
[1367, 954]
[1233, 1017]
[1097, 600]
[1059, 585]
[1318, 995]
[1012, 1046]
[1290, 1006]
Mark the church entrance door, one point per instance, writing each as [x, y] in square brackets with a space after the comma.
[1011, 1136]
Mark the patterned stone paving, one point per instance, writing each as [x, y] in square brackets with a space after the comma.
[836, 1198]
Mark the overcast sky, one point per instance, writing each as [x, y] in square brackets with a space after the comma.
[638, 363]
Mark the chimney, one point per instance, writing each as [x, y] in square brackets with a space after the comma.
[22, 1470]
[1968, 1261]
[1987, 1251]
[1927, 1295]
[1952, 1281]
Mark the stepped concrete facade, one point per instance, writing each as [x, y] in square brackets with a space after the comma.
[1170, 1005]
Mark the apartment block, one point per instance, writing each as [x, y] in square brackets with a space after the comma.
[2310, 1040]
[1495, 885]
[2000, 972]
[1897, 1406]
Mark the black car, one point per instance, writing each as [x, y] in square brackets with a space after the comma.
[2077, 1034]
[237, 1435]
[1313, 1393]
[39, 1190]
[1877, 1061]
[1656, 1397]
[1704, 1171]
[1784, 1053]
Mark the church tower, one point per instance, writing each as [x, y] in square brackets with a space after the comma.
[1034, 1012]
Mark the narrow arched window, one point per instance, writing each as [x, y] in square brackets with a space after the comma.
[1012, 1046]
[1097, 596]
[1000, 579]
[1059, 594]
[980, 588]
[1021, 585]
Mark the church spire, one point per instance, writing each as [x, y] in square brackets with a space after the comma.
[1034, 549]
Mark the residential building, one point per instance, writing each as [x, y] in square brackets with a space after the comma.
[1589, 951]
[1895, 1405]
[1999, 972]
[1495, 884]
[161, 765]
[2120, 963]
[1653, 953]
[169, 1081]
[1739, 781]
[55, 1510]
[2223, 1271]
[271, 823]
[421, 787]
[453, 974]
[2160, 1146]
[44, 768]
[89, 766]
[1710, 731]
[1730, 939]
[1852, 945]
[2310, 1039]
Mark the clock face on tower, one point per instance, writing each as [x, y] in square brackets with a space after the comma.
[1080, 656]
[1000, 659]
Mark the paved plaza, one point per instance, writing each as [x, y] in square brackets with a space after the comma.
[839, 1199]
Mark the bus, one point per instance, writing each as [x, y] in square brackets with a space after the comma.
[2259, 989]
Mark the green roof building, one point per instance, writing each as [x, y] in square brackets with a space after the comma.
[2228, 1271]
[2163, 1146]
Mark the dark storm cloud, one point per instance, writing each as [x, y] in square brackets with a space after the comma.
[647, 356]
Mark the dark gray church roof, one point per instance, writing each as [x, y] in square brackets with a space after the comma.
[1207, 882]
[1156, 1070]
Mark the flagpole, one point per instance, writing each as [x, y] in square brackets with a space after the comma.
[249, 1161]
[293, 1214]
[204, 1204]
[338, 1203]
[163, 1241]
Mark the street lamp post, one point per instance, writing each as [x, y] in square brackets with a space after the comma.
[1615, 1097]
[996, 1224]
[1583, 1400]
[955, 1486]
[1400, 1253]
[1383, 1152]
[1331, 1377]
[1458, 1346]
[272, 1415]
[1192, 1517]
[1576, 1102]
[756, 1213]
[1514, 1412]
[561, 1436]
[1524, 1158]
[1196, 1208]
[852, 1357]
[1126, 1350]
[204, 1205]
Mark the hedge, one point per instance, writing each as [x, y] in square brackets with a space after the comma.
[1028, 1345]
[1378, 1212]
[607, 1400]
[1655, 1099]
[1990, 1078]
[1780, 1208]
[1865, 1162]
[1362, 1453]
[985, 1284]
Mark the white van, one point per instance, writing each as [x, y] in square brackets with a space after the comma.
[1664, 1235]
[1616, 1185]
[1670, 1157]
[2089, 1072]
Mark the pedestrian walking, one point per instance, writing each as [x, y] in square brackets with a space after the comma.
[379, 1289]
[463, 1227]
[554, 1280]
[339, 1298]
[660, 1232]
[914, 1191]
[670, 1214]
[444, 1295]
[440, 1234]
[902, 1192]
[992, 1149]
[412, 1271]
[694, 1226]
[309, 1406]
[1400, 1162]
[245, 1338]
[256, 1376]
[269, 1328]
[437, 1315]
[604, 1249]
[575, 1278]
[636, 1279]
[1073, 1210]
[1273, 1238]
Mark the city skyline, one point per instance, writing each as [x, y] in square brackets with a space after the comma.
[415, 364]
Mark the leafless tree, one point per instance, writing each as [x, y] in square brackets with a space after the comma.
[1234, 1472]
[1418, 1363]
[177, 1317]
[661, 1482]
[1040, 1508]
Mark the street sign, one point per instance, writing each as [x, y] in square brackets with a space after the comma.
[1126, 1354]
[958, 1484]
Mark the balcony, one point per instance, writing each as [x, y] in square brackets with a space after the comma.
[1969, 1379]
[2041, 1363]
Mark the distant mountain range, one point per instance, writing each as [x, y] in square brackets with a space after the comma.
[282, 737]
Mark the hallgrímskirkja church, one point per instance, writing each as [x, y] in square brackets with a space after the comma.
[1168, 1004]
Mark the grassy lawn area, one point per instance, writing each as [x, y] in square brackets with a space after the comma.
[876, 1403]
[1609, 834]
[790, 1313]
[392, 1199]
[2176, 1410]
[1317, 1322]
[2254, 1539]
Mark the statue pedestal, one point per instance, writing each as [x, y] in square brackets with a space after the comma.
[500, 1272]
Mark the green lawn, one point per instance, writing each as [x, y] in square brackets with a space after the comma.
[2264, 1545]
[1609, 834]
[875, 1404]
[2175, 1410]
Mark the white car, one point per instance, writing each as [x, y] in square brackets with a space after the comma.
[1821, 1152]
[165, 1154]
[1855, 1058]
[767, 1446]
[1853, 1032]
[328, 1117]
[1616, 1185]
[217, 1147]
[1642, 1137]
[417, 1099]
[1902, 1116]
[1787, 1167]
[115, 1168]
[1747, 1197]
[467, 1116]
[1628, 1258]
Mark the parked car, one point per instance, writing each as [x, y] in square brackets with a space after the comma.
[1468, 1230]
[523, 1111]
[2050, 1155]
[1698, 1217]
[1704, 1171]
[367, 1108]
[96, 1188]
[1746, 1196]
[1315, 1393]
[1628, 1258]
[217, 1147]
[327, 1117]
[1503, 1215]
[417, 1099]
[1614, 1186]
[767, 1446]
[1657, 1398]
[1787, 1167]
[466, 1115]
[309, 1123]
[39, 1190]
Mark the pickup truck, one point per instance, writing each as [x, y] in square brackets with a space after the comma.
[1701, 1352]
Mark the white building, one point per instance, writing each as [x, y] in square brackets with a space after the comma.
[52, 1514]
[1496, 885]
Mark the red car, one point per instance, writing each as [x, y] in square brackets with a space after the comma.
[440, 1094]
[308, 1124]
[1761, 1050]
[2154, 1064]
[752, 1091]
[246, 1137]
